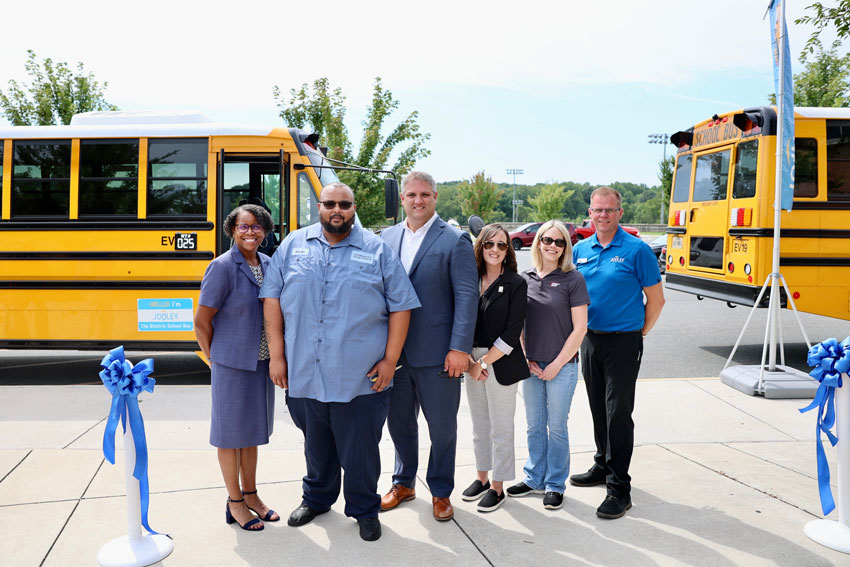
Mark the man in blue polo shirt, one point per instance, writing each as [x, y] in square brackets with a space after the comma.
[337, 303]
[619, 270]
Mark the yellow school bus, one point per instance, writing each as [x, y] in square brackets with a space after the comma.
[720, 226]
[107, 224]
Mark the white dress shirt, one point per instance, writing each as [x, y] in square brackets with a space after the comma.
[411, 240]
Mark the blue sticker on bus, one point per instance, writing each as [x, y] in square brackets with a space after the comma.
[164, 314]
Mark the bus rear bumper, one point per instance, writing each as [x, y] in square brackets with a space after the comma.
[716, 289]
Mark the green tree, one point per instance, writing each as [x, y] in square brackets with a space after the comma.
[321, 109]
[825, 81]
[549, 202]
[55, 93]
[479, 196]
[838, 16]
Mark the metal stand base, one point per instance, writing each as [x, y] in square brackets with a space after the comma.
[137, 551]
[784, 382]
[829, 533]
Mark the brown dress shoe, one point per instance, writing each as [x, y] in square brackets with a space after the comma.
[443, 510]
[397, 494]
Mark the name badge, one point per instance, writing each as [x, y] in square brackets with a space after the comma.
[581, 261]
[501, 289]
[300, 251]
[362, 257]
[554, 284]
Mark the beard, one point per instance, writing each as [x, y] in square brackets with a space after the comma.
[337, 229]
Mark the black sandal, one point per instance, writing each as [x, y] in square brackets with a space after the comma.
[269, 514]
[249, 526]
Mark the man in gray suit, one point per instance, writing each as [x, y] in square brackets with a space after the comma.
[441, 266]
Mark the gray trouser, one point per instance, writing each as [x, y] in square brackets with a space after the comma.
[492, 407]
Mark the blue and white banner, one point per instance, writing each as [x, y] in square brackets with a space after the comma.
[785, 104]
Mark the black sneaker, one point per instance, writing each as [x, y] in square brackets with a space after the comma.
[521, 489]
[553, 500]
[613, 507]
[475, 491]
[589, 478]
[491, 501]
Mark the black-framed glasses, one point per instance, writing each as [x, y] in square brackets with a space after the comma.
[488, 244]
[343, 205]
[600, 211]
[559, 242]
[252, 227]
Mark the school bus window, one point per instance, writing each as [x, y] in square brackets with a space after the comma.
[683, 179]
[307, 202]
[805, 167]
[712, 176]
[177, 177]
[109, 177]
[746, 165]
[271, 192]
[236, 185]
[838, 160]
[41, 178]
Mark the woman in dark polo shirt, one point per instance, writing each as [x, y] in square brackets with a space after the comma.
[555, 325]
[496, 366]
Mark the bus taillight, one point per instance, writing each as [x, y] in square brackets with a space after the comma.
[679, 218]
[742, 216]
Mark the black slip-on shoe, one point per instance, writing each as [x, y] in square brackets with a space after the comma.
[475, 491]
[491, 501]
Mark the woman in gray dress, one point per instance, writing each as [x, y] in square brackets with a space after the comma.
[229, 329]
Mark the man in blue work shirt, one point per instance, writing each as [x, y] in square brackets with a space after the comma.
[337, 302]
[619, 270]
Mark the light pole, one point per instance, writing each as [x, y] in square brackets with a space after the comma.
[662, 139]
[514, 202]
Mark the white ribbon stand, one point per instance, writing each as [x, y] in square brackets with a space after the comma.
[829, 533]
[134, 549]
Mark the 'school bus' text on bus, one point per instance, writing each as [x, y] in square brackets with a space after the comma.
[720, 226]
[107, 225]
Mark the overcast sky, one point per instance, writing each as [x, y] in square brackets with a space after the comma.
[566, 91]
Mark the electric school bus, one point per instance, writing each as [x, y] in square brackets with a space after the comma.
[720, 226]
[108, 224]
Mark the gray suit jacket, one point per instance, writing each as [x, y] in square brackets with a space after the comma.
[230, 287]
[445, 278]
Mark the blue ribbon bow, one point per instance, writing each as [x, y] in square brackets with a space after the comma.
[125, 382]
[830, 359]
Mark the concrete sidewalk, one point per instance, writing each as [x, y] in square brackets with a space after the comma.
[719, 478]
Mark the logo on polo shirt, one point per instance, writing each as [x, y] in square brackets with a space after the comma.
[617, 259]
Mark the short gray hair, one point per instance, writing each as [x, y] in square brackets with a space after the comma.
[419, 176]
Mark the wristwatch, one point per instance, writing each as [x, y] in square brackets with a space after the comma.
[482, 364]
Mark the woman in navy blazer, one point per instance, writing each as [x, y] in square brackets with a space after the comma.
[229, 329]
[496, 366]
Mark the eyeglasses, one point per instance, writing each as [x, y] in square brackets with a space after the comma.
[500, 245]
[246, 227]
[600, 211]
[559, 242]
[343, 205]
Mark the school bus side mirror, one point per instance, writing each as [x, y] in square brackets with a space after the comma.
[391, 198]
[475, 224]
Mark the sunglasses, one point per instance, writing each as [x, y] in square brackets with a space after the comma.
[246, 227]
[343, 205]
[559, 242]
[500, 245]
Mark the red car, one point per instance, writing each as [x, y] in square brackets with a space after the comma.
[587, 229]
[524, 235]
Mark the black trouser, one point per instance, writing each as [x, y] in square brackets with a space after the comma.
[610, 365]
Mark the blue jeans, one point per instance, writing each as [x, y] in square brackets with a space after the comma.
[547, 407]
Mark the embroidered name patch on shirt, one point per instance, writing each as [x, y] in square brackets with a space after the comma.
[362, 257]
[300, 251]
[554, 284]
[581, 261]
[617, 259]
